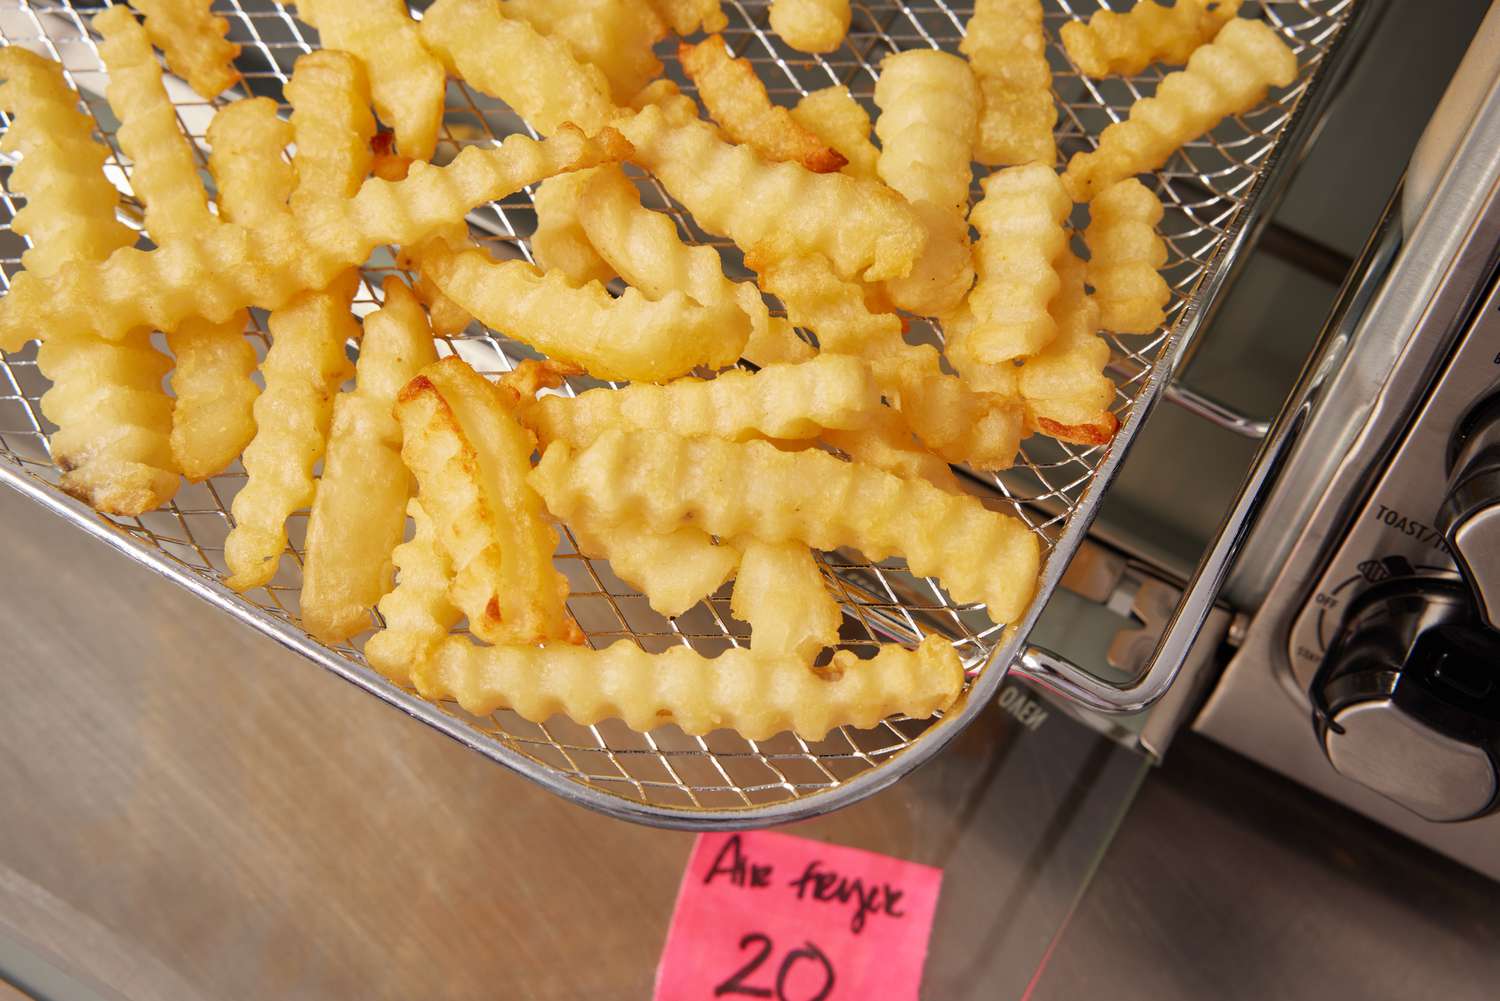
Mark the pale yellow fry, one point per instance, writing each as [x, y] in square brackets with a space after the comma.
[302, 372]
[674, 570]
[504, 57]
[644, 248]
[780, 401]
[780, 592]
[777, 210]
[737, 100]
[416, 611]
[1020, 221]
[615, 35]
[1066, 391]
[214, 417]
[1125, 255]
[164, 174]
[406, 81]
[811, 25]
[888, 443]
[359, 510]
[1115, 44]
[835, 117]
[1228, 76]
[1007, 48]
[630, 337]
[253, 178]
[929, 115]
[192, 39]
[446, 316]
[958, 423]
[331, 121]
[662, 481]
[667, 96]
[219, 272]
[471, 461]
[756, 695]
[688, 16]
[560, 243]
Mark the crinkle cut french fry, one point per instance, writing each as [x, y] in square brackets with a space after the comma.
[780, 592]
[406, 81]
[1228, 76]
[780, 401]
[777, 210]
[359, 510]
[737, 99]
[662, 481]
[214, 418]
[471, 461]
[1020, 221]
[631, 337]
[332, 124]
[756, 695]
[213, 274]
[1007, 48]
[929, 114]
[688, 16]
[1125, 254]
[253, 179]
[811, 25]
[834, 116]
[303, 372]
[192, 38]
[1066, 392]
[888, 443]
[674, 570]
[644, 248]
[1123, 44]
[667, 96]
[615, 35]
[416, 611]
[165, 174]
[560, 243]
[446, 316]
[505, 57]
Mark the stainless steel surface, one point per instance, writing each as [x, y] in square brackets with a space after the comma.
[1469, 519]
[1213, 189]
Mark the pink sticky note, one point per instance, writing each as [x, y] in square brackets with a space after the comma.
[763, 915]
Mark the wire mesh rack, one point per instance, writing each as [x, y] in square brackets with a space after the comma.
[1210, 192]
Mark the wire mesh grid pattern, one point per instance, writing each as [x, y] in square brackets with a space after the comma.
[1203, 188]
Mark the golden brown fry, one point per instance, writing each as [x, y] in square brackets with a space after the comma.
[667, 96]
[505, 57]
[192, 39]
[1111, 43]
[929, 115]
[1066, 391]
[1007, 47]
[779, 401]
[216, 273]
[165, 173]
[675, 570]
[560, 243]
[631, 337]
[756, 695]
[1228, 76]
[359, 510]
[888, 443]
[777, 210]
[688, 16]
[661, 481]
[446, 316]
[332, 124]
[643, 247]
[835, 117]
[303, 372]
[406, 81]
[471, 461]
[737, 100]
[1125, 254]
[780, 592]
[811, 25]
[416, 611]
[253, 179]
[615, 35]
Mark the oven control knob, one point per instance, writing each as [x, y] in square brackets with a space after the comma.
[1470, 516]
[1407, 701]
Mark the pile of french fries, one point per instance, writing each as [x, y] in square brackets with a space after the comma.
[737, 448]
